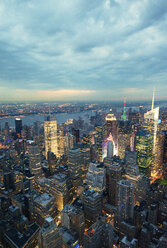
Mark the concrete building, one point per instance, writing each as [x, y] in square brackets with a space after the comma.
[49, 235]
[125, 200]
[72, 217]
[44, 206]
[74, 165]
[96, 177]
[50, 131]
[92, 201]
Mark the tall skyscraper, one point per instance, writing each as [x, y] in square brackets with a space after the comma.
[35, 160]
[18, 125]
[50, 131]
[92, 201]
[96, 177]
[112, 129]
[113, 179]
[151, 124]
[99, 142]
[72, 217]
[74, 166]
[144, 146]
[125, 200]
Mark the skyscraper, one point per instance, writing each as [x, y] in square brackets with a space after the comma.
[50, 131]
[151, 124]
[35, 160]
[110, 149]
[113, 179]
[72, 217]
[18, 125]
[125, 200]
[74, 166]
[96, 177]
[112, 129]
[49, 235]
[92, 201]
[144, 146]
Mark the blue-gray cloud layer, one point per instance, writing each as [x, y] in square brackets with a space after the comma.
[84, 44]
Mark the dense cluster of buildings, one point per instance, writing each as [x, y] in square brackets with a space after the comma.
[95, 184]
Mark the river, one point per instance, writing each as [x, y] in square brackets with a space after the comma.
[61, 118]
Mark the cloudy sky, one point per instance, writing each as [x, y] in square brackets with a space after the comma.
[83, 49]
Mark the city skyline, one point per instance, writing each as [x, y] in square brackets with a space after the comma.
[82, 50]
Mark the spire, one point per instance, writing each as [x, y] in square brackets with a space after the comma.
[153, 98]
[124, 114]
[49, 109]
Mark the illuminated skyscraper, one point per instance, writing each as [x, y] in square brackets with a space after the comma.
[112, 129]
[96, 177]
[35, 160]
[151, 123]
[99, 142]
[85, 158]
[124, 137]
[144, 146]
[151, 120]
[74, 166]
[92, 201]
[125, 200]
[50, 130]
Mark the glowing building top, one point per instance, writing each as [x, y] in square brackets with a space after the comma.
[110, 117]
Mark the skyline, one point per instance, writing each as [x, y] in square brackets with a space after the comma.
[77, 50]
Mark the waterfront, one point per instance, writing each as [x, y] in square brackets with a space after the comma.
[61, 118]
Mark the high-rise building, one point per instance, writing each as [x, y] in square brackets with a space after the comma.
[69, 238]
[125, 200]
[130, 158]
[100, 234]
[59, 186]
[85, 158]
[151, 121]
[99, 142]
[110, 149]
[27, 238]
[114, 176]
[144, 146]
[61, 189]
[74, 166]
[50, 131]
[18, 125]
[92, 201]
[52, 160]
[128, 243]
[35, 160]
[61, 140]
[165, 149]
[72, 217]
[6, 131]
[96, 177]
[111, 127]
[49, 235]
[75, 133]
[125, 136]
[44, 206]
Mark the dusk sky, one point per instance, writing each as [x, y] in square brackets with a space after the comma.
[65, 50]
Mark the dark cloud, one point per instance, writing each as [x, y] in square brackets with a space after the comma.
[95, 45]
